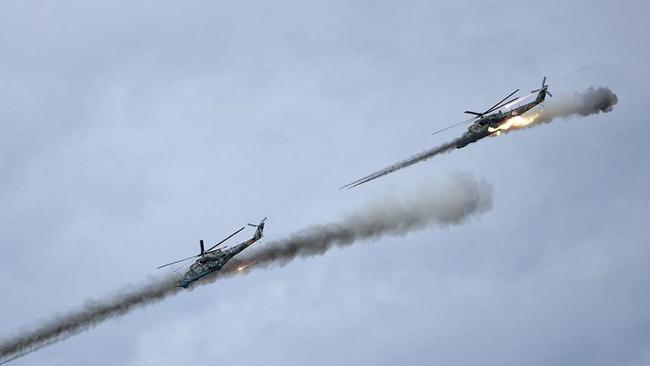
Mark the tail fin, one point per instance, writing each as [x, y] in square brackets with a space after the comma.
[543, 91]
[260, 229]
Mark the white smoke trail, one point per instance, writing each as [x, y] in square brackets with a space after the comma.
[591, 101]
[585, 103]
[422, 156]
[588, 102]
[450, 203]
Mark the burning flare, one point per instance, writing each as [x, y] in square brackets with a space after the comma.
[514, 123]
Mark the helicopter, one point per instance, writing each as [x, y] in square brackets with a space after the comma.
[214, 258]
[484, 124]
[488, 122]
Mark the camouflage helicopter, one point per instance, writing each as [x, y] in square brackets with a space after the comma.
[214, 258]
[492, 121]
[487, 123]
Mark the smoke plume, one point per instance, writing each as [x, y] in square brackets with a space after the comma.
[451, 202]
[588, 102]
[92, 313]
[448, 204]
[424, 155]
[585, 103]
[591, 101]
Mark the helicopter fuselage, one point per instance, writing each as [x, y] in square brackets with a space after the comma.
[487, 125]
[215, 260]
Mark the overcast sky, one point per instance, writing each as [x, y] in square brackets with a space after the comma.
[131, 131]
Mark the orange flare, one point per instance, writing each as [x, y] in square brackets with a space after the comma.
[514, 123]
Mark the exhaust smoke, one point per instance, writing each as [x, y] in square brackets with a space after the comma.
[591, 101]
[588, 102]
[451, 202]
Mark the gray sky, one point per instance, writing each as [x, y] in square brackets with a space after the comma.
[131, 131]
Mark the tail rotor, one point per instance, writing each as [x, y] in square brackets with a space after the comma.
[258, 225]
[544, 88]
[260, 229]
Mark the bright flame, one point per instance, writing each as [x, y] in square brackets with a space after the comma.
[514, 123]
[241, 268]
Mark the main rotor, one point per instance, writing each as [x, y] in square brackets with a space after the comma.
[477, 115]
[500, 104]
[203, 251]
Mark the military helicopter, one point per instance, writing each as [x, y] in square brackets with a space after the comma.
[214, 258]
[493, 120]
[487, 123]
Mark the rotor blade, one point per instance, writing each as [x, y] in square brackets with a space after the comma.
[228, 237]
[178, 261]
[501, 101]
[504, 104]
[455, 125]
[474, 113]
[261, 222]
